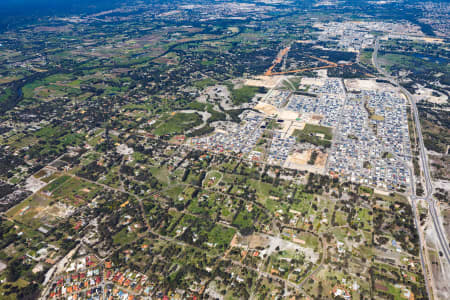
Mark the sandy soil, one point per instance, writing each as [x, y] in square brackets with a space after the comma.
[299, 161]
[216, 94]
[124, 149]
[275, 242]
[56, 211]
[2, 266]
[270, 243]
[264, 81]
[266, 109]
[442, 184]
[381, 192]
[299, 158]
[433, 40]
[311, 118]
[366, 84]
[322, 73]
[427, 94]
[361, 84]
[321, 160]
[312, 81]
[296, 125]
[418, 38]
[285, 126]
[33, 184]
[256, 241]
[288, 115]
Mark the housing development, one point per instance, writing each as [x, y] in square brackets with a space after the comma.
[369, 125]
[264, 149]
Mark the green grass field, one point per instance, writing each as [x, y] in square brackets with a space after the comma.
[221, 236]
[124, 237]
[29, 89]
[75, 191]
[243, 94]
[201, 84]
[310, 135]
[177, 123]
[326, 131]
[366, 57]
[26, 211]
[310, 240]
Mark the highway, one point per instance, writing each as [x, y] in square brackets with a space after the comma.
[440, 233]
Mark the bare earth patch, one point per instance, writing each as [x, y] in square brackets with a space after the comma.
[366, 85]
[299, 161]
[266, 108]
[288, 115]
[273, 244]
[312, 81]
[33, 184]
[430, 95]
[264, 81]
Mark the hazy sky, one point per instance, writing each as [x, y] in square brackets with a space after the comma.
[39, 7]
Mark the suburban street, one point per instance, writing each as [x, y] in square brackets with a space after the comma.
[437, 224]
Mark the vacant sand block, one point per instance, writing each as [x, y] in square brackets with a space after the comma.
[288, 115]
[427, 95]
[312, 81]
[299, 158]
[299, 161]
[264, 81]
[321, 160]
[311, 118]
[296, 125]
[266, 109]
[366, 84]
[286, 125]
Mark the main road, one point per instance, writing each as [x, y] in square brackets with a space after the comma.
[440, 233]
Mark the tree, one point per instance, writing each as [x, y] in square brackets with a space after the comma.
[13, 270]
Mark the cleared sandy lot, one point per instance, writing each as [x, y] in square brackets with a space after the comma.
[288, 115]
[299, 161]
[312, 81]
[299, 158]
[273, 244]
[264, 81]
[361, 84]
[427, 95]
[294, 126]
[266, 108]
[366, 84]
